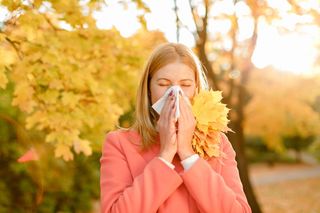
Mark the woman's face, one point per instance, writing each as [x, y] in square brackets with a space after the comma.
[173, 74]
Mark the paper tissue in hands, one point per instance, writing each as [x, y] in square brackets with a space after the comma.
[160, 103]
[211, 116]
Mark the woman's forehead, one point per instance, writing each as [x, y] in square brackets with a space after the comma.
[175, 70]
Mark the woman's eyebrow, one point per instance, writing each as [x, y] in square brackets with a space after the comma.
[159, 79]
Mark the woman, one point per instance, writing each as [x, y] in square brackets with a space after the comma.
[152, 167]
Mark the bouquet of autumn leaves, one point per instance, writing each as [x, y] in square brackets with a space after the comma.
[211, 117]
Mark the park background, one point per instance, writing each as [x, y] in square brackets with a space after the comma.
[69, 71]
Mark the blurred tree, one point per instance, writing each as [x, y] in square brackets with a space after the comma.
[278, 110]
[280, 105]
[38, 186]
[298, 143]
[69, 75]
[258, 152]
[67, 81]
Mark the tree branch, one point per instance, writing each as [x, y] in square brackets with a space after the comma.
[13, 44]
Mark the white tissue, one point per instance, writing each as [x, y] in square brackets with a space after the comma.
[160, 103]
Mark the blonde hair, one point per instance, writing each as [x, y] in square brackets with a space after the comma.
[145, 115]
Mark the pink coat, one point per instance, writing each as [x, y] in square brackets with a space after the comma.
[133, 181]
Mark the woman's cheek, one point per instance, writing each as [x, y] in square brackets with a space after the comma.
[157, 93]
[189, 92]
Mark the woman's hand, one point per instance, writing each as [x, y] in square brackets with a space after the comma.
[167, 130]
[186, 127]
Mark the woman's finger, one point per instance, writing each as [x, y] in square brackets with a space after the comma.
[165, 108]
[182, 107]
[188, 109]
[170, 106]
[171, 120]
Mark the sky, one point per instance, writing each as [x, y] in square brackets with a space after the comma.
[294, 52]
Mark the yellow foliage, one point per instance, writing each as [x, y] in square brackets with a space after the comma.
[70, 81]
[7, 58]
[281, 105]
[3, 78]
[82, 146]
[211, 116]
[24, 97]
[62, 150]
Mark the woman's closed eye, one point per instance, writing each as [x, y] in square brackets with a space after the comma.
[164, 85]
[167, 85]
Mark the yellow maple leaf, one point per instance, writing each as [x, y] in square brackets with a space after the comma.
[207, 108]
[63, 150]
[211, 116]
[82, 146]
[24, 97]
[3, 78]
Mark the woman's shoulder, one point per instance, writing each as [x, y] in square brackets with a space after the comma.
[226, 145]
[118, 136]
[120, 132]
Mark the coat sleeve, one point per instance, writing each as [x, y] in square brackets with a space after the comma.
[217, 192]
[122, 193]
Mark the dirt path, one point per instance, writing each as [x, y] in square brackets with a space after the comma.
[263, 175]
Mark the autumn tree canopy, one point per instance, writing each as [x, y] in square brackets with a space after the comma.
[69, 82]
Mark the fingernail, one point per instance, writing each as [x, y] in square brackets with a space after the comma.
[171, 93]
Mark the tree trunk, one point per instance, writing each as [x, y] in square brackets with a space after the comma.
[238, 143]
[298, 156]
